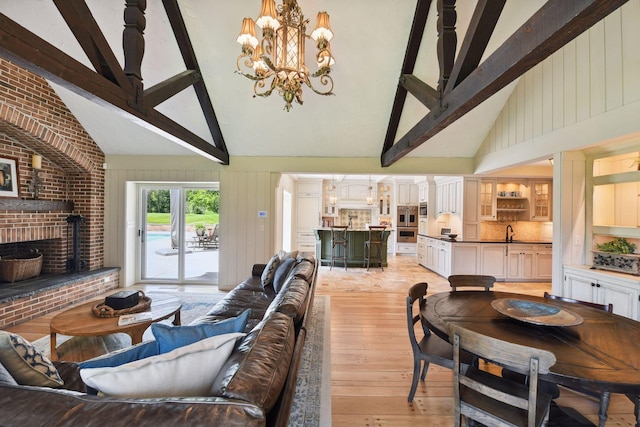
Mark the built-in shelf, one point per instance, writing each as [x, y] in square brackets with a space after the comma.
[36, 205]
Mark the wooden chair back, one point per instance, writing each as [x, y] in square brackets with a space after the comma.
[418, 293]
[490, 399]
[606, 307]
[339, 233]
[376, 233]
[471, 281]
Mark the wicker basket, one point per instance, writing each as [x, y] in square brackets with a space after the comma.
[14, 268]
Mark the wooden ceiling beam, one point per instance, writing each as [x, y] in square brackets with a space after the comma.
[410, 56]
[164, 90]
[31, 52]
[190, 60]
[92, 41]
[483, 22]
[427, 95]
[554, 25]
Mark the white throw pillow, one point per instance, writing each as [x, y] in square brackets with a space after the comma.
[185, 371]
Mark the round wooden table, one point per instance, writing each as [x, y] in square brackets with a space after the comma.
[602, 353]
[80, 321]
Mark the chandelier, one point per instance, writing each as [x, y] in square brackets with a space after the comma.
[278, 61]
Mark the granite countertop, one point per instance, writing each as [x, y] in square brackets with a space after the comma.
[527, 242]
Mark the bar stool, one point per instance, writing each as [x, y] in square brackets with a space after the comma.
[339, 238]
[373, 245]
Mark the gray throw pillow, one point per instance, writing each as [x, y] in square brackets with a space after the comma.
[269, 271]
[282, 272]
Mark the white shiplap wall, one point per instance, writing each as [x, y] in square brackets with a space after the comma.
[595, 76]
[247, 238]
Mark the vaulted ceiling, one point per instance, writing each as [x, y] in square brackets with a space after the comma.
[400, 90]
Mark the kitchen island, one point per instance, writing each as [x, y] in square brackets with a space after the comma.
[355, 249]
[524, 261]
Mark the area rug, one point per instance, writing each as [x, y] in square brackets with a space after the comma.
[312, 399]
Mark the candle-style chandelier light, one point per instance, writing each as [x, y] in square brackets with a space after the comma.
[279, 57]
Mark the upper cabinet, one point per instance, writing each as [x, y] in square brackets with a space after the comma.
[541, 200]
[616, 189]
[384, 198]
[449, 196]
[423, 192]
[488, 200]
[407, 194]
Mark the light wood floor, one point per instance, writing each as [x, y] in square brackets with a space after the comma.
[371, 355]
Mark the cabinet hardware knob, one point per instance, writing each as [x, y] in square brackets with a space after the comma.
[593, 284]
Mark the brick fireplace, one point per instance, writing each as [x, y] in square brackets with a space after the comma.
[33, 120]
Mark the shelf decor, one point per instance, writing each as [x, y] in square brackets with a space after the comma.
[617, 255]
[8, 178]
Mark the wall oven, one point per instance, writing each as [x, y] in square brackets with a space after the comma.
[407, 216]
[422, 210]
[407, 235]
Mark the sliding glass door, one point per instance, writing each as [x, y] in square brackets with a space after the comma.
[179, 233]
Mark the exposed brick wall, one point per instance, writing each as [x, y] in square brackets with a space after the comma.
[24, 309]
[33, 119]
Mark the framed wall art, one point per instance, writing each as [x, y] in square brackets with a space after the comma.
[8, 178]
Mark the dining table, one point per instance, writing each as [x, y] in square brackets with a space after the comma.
[594, 349]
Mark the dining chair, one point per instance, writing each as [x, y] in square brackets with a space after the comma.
[339, 240]
[431, 348]
[490, 399]
[602, 395]
[471, 281]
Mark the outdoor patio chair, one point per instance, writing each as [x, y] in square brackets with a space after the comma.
[212, 240]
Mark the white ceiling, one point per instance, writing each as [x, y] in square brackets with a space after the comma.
[369, 46]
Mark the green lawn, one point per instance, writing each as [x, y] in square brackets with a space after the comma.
[164, 218]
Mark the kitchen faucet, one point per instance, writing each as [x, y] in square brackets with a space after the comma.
[508, 238]
[352, 217]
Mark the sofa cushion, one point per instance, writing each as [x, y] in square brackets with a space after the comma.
[120, 357]
[25, 363]
[292, 300]
[305, 269]
[257, 370]
[171, 337]
[5, 377]
[284, 254]
[269, 271]
[185, 371]
[282, 273]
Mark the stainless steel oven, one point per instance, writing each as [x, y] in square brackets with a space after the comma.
[408, 216]
[407, 235]
[422, 210]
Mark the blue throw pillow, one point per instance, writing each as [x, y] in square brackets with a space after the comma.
[282, 272]
[172, 337]
[120, 357]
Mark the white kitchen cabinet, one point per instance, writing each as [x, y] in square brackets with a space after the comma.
[540, 200]
[465, 258]
[407, 194]
[488, 200]
[308, 213]
[406, 248]
[520, 262]
[543, 264]
[449, 196]
[603, 287]
[493, 259]
[443, 266]
[422, 251]
[423, 192]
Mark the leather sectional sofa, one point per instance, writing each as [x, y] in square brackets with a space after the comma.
[255, 386]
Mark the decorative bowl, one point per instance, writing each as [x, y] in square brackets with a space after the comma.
[452, 236]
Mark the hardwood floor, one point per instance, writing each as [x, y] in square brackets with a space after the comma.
[371, 355]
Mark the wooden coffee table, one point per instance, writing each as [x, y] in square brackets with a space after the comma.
[80, 321]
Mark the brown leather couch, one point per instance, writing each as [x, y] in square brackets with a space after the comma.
[254, 388]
